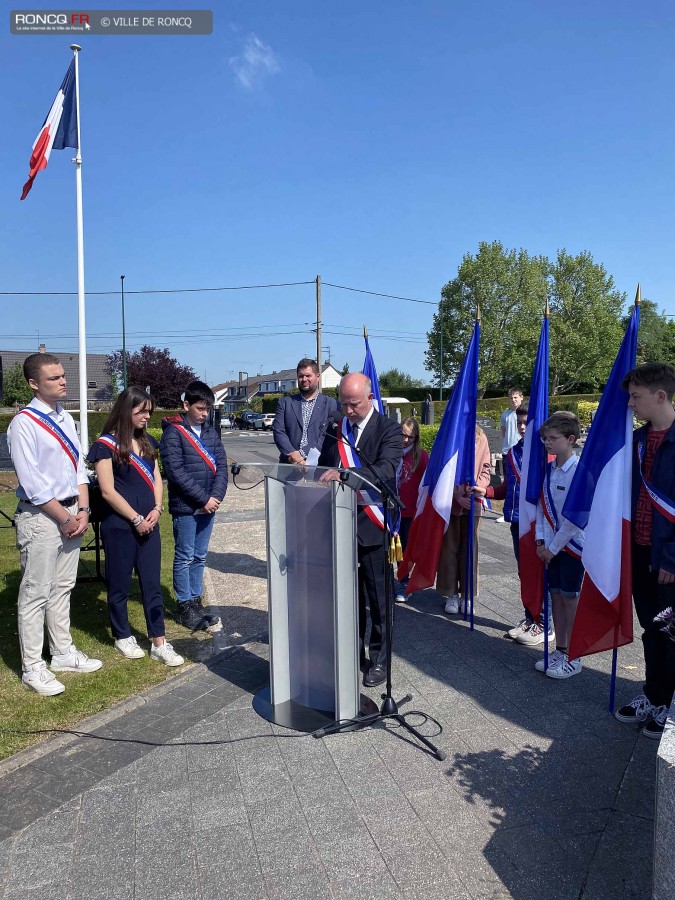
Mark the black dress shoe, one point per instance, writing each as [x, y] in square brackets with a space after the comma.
[376, 675]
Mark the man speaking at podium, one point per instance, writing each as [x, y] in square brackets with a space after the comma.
[378, 441]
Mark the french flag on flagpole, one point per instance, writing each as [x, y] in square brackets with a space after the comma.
[451, 462]
[370, 370]
[533, 472]
[58, 131]
[599, 501]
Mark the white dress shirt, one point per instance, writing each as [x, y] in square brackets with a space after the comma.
[362, 424]
[44, 470]
[561, 479]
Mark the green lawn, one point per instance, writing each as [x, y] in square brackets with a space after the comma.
[21, 708]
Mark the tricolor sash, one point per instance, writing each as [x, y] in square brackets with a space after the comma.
[198, 445]
[572, 547]
[350, 460]
[53, 428]
[664, 504]
[137, 462]
[511, 459]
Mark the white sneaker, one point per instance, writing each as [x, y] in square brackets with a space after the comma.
[129, 647]
[464, 604]
[500, 519]
[452, 605]
[74, 660]
[400, 597]
[566, 669]
[554, 660]
[520, 628]
[534, 636]
[42, 681]
[166, 654]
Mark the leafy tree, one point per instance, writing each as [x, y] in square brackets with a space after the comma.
[511, 289]
[586, 327]
[656, 335]
[151, 366]
[345, 370]
[15, 387]
[393, 379]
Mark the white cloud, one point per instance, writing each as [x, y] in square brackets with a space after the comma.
[255, 62]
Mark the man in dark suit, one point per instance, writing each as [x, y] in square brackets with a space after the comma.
[379, 441]
[298, 420]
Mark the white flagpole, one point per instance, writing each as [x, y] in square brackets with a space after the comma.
[84, 425]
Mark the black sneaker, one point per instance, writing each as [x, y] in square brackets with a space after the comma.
[654, 728]
[189, 616]
[212, 621]
[637, 711]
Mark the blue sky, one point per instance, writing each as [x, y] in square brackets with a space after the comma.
[371, 143]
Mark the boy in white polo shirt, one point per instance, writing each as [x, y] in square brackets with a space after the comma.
[559, 542]
[52, 516]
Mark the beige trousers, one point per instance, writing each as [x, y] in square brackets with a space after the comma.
[49, 565]
[450, 576]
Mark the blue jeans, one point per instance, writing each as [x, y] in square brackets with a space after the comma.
[191, 535]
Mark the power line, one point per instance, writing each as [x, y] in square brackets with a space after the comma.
[344, 287]
[240, 287]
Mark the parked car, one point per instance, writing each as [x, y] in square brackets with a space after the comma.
[248, 419]
[226, 421]
[268, 421]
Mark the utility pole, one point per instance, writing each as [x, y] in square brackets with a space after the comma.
[124, 341]
[318, 326]
[440, 380]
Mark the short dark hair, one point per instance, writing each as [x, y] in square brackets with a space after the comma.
[33, 363]
[654, 375]
[198, 392]
[563, 421]
[515, 390]
[307, 363]
[522, 410]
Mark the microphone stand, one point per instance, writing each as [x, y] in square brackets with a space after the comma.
[389, 709]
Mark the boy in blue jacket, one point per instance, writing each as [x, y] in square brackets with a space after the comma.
[195, 465]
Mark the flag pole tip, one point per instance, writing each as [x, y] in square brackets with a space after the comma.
[638, 295]
[478, 312]
[547, 312]
[75, 48]
[365, 332]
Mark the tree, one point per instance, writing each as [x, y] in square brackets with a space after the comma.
[586, 327]
[15, 387]
[511, 287]
[155, 368]
[394, 379]
[345, 370]
[656, 335]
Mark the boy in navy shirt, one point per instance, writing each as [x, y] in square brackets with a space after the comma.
[651, 387]
[195, 465]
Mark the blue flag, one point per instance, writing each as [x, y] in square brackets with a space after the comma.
[370, 370]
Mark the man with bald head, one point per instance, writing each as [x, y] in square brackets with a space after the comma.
[379, 441]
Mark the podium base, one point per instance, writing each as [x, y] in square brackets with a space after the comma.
[303, 718]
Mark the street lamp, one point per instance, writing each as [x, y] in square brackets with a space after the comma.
[124, 340]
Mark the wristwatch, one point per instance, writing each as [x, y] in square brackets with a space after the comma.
[86, 509]
[539, 543]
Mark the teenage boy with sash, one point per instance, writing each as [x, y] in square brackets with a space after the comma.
[195, 465]
[52, 516]
[559, 542]
[380, 442]
[651, 387]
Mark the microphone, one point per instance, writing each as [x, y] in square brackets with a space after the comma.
[329, 426]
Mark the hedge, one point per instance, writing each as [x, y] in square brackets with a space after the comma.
[96, 419]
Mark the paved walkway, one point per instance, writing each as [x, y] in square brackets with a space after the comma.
[542, 792]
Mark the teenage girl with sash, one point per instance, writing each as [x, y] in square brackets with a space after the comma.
[125, 459]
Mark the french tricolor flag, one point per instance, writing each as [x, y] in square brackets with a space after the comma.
[370, 370]
[58, 131]
[533, 472]
[451, 462]
[599, 501]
